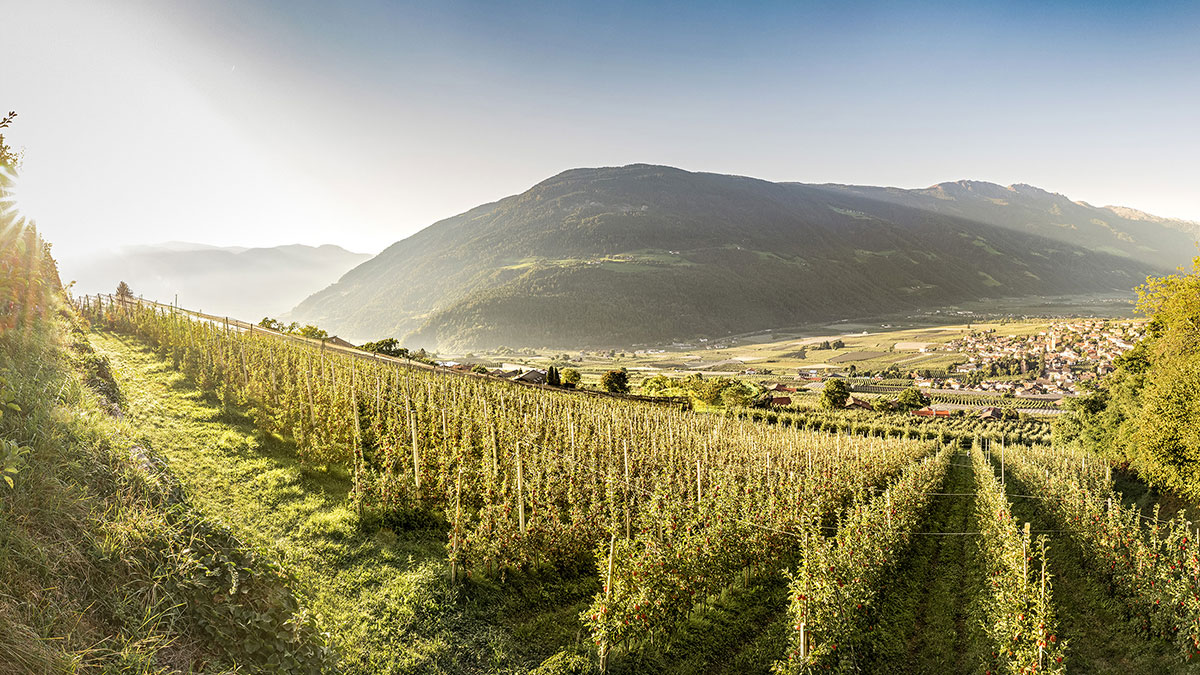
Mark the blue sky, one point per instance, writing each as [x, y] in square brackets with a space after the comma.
[359, 123]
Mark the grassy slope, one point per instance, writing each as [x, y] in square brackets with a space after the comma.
[103, 566]
[383, 597]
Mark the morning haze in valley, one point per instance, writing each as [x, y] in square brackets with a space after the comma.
[570, 338]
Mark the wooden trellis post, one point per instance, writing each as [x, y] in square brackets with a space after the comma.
[416, 450]
[457, 525]
[608, 583]
[358, 458]
[628, 490]
[520, 490]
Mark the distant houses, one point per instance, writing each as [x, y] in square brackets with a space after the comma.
[863, 404]
[532, 377]
[991, 413]
[931, 412]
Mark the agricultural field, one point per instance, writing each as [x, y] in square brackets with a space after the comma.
[875, 347]
[434, 522]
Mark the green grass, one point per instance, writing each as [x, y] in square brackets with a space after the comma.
[383, 596]
[929, 621]
[743, 631]
[104, 565]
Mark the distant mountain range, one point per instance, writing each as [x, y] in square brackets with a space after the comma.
[1125, 232]
[647, 254]
[247, 283]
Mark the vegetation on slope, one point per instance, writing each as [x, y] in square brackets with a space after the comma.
[104, 564]
[1147, 412]
[611, 248]
[383, 593]
[1160, 242]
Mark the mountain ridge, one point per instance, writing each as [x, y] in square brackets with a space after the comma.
[610, 256]
[246, 282]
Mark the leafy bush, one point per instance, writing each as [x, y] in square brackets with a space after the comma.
[615, 381]
[565, 663]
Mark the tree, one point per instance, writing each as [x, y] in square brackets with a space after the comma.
[837, 344]
[655, 385]
[737, 395]
[571, 377]
[477, 368]
[279, 327]
[124, 292]
[552, 377]
[1147, 412]
[311, 331]
[387, 347]
[615, 381]
[912, 399]
[8, 157]
[710, 391]
[835, 393]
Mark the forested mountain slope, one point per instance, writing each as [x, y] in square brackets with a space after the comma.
[639, 254]
[1163, 242]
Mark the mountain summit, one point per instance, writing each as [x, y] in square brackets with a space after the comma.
[641, 253]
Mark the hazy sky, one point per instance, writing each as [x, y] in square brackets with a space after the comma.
[358, 123]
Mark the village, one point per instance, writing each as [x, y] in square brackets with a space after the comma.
[1054, 362]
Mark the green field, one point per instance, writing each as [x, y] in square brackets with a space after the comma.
[785, 354]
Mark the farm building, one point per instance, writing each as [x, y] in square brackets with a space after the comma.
[532, 377]
[859, 403]
[931, 412]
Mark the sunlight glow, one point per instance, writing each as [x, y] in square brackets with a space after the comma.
[14, 202]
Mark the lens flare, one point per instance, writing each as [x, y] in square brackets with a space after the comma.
[10, 198]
